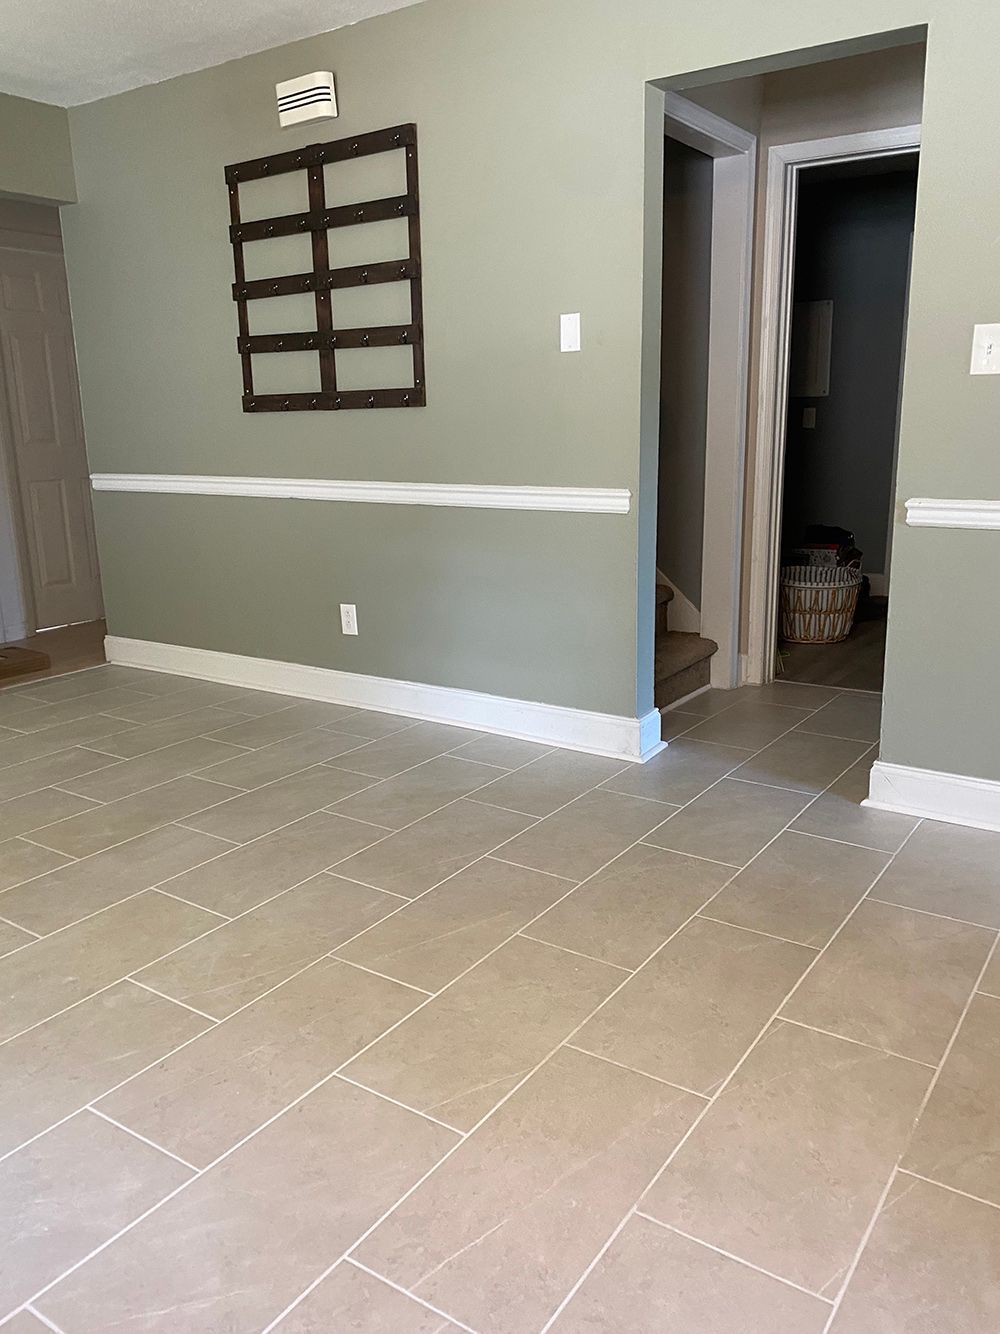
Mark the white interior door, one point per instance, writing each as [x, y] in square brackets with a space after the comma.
[46, 435]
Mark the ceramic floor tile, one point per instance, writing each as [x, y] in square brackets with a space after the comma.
[159, 708]
[957, 1140]
[838, 813]
[246, 957]
[652, 1279]
[350, 1300]
[581, 838]
[245, 876]
[50, 771]
[730, 823]
[127, 777]
[12, 938]
[800, 888]
[749, 725]
[254, 768]
[21, 815]
[787, 1166]
[267, 808]
[73, 684]
[154, 736]
[857, 717]
[399, 801]
[450, 928]
[990, 983]
[205, 1098]
[802, 761]
[506, 752]
[75, 889]
[690, 1013]
[63, 968]
[550, 782]
[67, 711]
[62, 1065]
[414, 859]
[298, 717]
[103, 826]
[932, 1264]
[711, 702]
[70, 1191]
[625, 911]
[678, 774]
[895, 979]
[21, 860]
[947, 869]
[14, 703]
[795, 694]
[390, 755]
[82, 732]
[674, 723]
[542, 1183]
[460, 1054]
[206, 1261]
[371, 725]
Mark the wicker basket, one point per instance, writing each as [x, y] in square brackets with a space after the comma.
[818, 603]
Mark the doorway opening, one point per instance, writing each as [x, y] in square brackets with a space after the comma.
[853, 235]
[51, 605]
[823, 143]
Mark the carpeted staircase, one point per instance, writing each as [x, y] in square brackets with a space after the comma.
[682, 660]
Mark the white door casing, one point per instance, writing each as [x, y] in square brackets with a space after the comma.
[47, 455]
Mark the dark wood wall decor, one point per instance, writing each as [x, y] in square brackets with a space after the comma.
[322, 280]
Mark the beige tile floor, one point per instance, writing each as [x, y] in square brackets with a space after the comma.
[316, 1019]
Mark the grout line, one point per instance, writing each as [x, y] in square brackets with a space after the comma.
[155, 889]
[868, 1046]
[943, 1185]
[520, 865]
[844, 842]
[565, 949]
[43, 1319]
[173, 1001]
[135, 1135]
[682, 1088]
[349, 1259]
[730, 1255]
[835, 736]
[385, 1097]
[26, 929]
[925, 912]
[931, 1086]
[729, 866]
[373, 972]
[774, 787]
[736, 926]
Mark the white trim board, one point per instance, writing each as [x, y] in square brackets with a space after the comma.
[568, 499]
[621, 738]
[923, 513]
[932, 795]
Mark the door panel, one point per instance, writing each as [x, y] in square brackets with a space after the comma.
[53, 476]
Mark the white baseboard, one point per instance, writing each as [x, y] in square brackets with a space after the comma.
[614, 735]
[933, 795]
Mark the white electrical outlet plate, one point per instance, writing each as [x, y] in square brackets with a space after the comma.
[985, 350]
[348, 618]
[569, 333]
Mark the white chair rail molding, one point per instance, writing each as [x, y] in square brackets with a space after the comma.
[566, 499]
[925, 513]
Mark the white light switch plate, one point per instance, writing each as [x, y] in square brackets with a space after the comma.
[569, 333]
[985, 350]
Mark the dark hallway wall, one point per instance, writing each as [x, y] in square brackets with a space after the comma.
[852, 248]
[687, 275]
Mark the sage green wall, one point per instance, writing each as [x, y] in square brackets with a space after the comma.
[35, 158]
[534, 128]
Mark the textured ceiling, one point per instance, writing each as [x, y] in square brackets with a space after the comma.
[73, 51]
